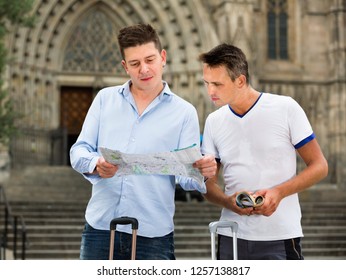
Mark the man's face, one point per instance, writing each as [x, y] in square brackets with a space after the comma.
[144, 64]
[219, 85]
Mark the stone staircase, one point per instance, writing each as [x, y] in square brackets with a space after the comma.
[53, 200]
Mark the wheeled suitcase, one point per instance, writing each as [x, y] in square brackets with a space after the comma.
[213, 226]
[123, 221]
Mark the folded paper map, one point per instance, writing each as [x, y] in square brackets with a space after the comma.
[245, 199]
[178, 162]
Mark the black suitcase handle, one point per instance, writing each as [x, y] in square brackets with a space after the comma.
[124, 221]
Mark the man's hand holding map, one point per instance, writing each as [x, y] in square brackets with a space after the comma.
[178, 162]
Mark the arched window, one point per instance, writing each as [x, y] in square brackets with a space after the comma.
[277, 17]
[93, 46]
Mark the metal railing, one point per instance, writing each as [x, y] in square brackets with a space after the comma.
[39, 147]
[17, 224]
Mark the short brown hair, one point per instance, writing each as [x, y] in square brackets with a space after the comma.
[229, 56]
[136, 35]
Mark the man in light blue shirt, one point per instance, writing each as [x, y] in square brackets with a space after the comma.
[142, 116]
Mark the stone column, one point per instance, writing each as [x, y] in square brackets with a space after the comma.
[235, 24]
[337, 101]
[233, 20]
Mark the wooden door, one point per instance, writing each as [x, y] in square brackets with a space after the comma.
[74, 105]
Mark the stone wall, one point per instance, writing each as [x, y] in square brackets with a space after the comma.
[314, 74]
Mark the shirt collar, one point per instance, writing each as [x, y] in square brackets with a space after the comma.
[166, 93]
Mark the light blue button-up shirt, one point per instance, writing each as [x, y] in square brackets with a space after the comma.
[168, 123]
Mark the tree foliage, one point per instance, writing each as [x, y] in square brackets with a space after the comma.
[12, 13]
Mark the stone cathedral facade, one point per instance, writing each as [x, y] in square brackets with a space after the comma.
[294, 47]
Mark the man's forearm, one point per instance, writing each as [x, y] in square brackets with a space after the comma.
[215, 194]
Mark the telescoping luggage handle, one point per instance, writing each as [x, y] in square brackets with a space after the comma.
[124, 221]
[213, 226]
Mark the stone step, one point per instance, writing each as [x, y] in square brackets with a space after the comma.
[196, 253]
[205, 243]
[323, 244]
[200, 221]
[309, 229]
[69, 254]
[58, 221]
[52, 237]
[338, 253]
[182, 208]
[56, 212]
[36, 217]
[56, 245]
[55, 229]
[49, 207]
[68, 232]
[306, 229]
[47, 183]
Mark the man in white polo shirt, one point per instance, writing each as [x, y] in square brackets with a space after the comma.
[255, 136]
